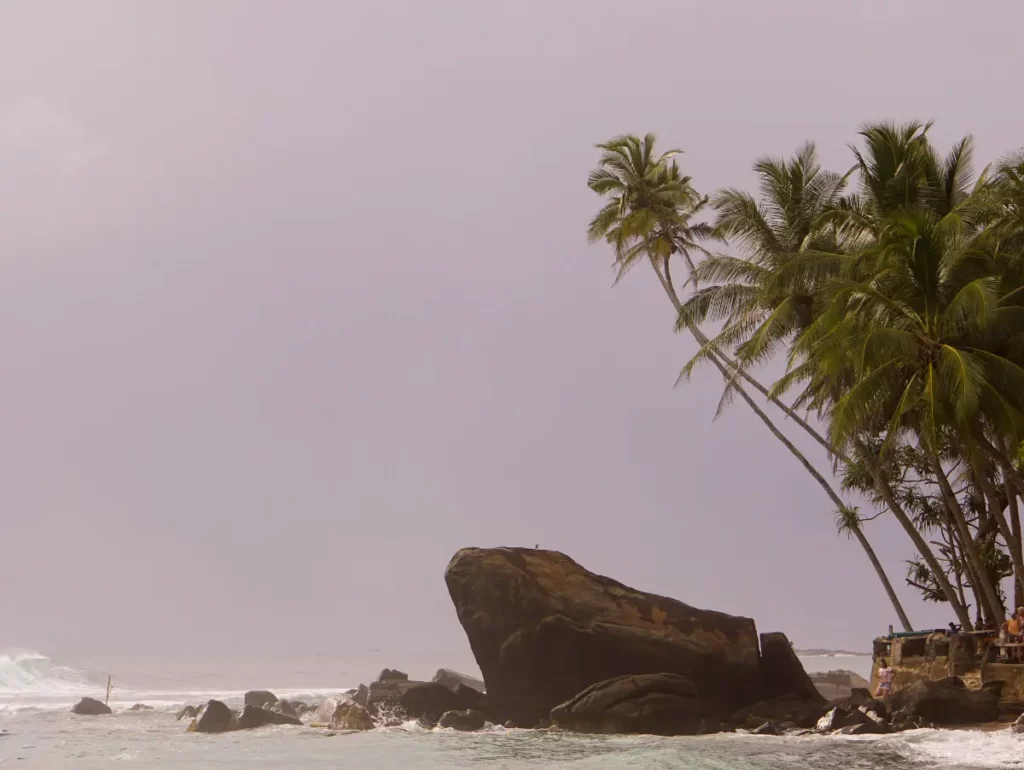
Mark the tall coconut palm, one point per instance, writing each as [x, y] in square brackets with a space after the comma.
[649, 217]
[770, 296]
[915, 320]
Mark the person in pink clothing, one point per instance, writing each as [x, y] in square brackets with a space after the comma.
[885, 676]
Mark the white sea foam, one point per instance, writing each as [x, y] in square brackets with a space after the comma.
[962, 748]
[23, 672]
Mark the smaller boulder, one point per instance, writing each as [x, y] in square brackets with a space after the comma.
[862, 728]
[653, 704]
[253, 717]
[361, 696]
[1018, 727]
[467, 721]
[768, 728]
[286, 708]
[213, 717]
[392, 675]
[351, 716]
[141, 707]
[188, 711]
[510, 725]
[90, 707]
[259, 698]
[841, 717]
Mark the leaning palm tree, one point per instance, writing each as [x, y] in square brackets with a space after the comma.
[769, 297]
[649, 218]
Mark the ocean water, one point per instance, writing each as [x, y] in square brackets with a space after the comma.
[36, 692]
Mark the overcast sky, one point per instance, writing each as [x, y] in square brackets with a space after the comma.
[296, 300]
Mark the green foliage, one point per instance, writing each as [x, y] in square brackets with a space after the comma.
[894, 293]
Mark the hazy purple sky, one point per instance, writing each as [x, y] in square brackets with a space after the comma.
[296, 300]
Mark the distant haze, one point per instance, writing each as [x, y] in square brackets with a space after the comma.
[296, 300]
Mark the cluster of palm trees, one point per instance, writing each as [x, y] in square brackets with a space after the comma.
[894, 293]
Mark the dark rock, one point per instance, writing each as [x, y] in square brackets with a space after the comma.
[259, 698]
[841, 717]
[351, 716]
[782, 672]
[1018, 727]
[543, 629]
[452, 679]
[800, 711]
[422, 701]
[945, 702]
[768, 728]
[188, 711]
[361, 696]
[253, 716]
[994, 686]
[862, 699]
[90, 707]
[510, 725]
[392, 675]
[286, 708]
[651, 704]
[141, 707]
[466, 721]
[861, 728]
[213, 717]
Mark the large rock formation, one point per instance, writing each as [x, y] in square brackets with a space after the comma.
[543, 629]
[90, 707]
[653, 704]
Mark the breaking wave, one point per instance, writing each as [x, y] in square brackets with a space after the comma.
[23, 672]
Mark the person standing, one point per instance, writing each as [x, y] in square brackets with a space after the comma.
[885, 677]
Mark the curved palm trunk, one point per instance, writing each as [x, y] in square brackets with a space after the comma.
[956, 512]
[861, 538]
[885, 490]
[989, 491]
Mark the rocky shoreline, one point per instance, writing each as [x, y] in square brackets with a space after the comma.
[562, 647]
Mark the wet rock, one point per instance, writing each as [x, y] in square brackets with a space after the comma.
[452, 679]
[189, 712]
[425, 702]
[1018, 726]
[651, 704]
[543, 629]
[141, 707]
[90, 707]
[392, 675]
[253, 717]
[466, 721]
[798, 710]
[861, 728]
[351, 716]
[213, 717]
[259, 698]
[768, 728]
[510, 725]
[285, 708]
[361, 695]
[842, 717]
[945, 702]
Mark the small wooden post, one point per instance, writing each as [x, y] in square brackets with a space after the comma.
[106, 702]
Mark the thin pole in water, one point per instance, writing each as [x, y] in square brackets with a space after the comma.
[107, 701]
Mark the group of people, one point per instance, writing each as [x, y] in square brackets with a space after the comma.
[1012, 632]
